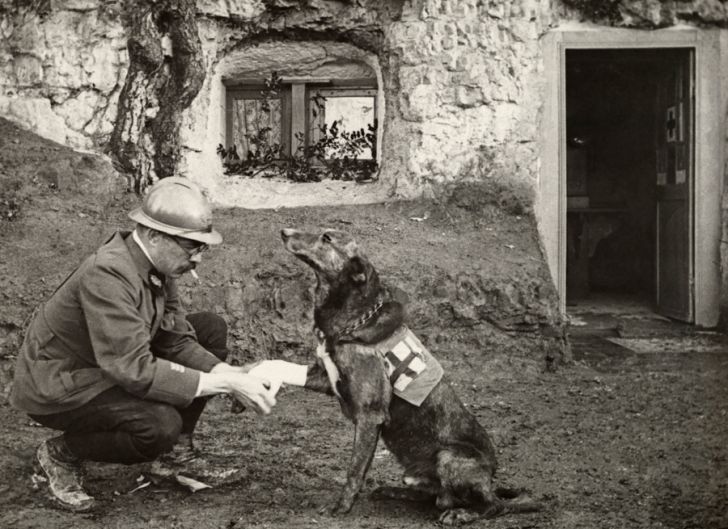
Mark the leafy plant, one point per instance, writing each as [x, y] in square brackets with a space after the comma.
[334, 155]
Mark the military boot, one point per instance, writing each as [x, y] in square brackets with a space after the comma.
[63, 472]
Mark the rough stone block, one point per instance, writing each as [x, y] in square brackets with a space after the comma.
[36, 115]
[468, 96]
[423, 103]
[28, 70]
[27, 36]
[78, 110]
[245, 9]
[102, 67]
[81, 5]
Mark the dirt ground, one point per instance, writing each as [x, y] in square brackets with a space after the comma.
[612, 439]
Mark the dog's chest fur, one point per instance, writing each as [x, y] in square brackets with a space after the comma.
[363, 383]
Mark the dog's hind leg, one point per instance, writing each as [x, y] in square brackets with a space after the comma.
[489, 504]
[421, 485]
[403, 493]
[419, 489]
[484, 505]
[466, 487]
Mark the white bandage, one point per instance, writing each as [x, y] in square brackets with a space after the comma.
[331, 370]
[287, 372]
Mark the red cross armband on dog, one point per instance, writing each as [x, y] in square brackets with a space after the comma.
[411, 368]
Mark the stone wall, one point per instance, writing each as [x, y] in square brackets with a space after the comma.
[468, 95]
[462, 80]
[649, 14]
[460, 84]
[61, 70]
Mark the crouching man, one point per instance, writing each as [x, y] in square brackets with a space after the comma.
[111, 360]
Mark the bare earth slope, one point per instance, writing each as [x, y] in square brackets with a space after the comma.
[612, 440]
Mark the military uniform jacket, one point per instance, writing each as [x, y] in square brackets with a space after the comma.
[111, 323]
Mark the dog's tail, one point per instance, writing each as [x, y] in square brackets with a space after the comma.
[516, 501]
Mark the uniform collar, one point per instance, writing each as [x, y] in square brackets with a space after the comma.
[135, 236]
[141, 262]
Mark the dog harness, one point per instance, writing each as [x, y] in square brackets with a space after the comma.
[331, 370]
[412, 370]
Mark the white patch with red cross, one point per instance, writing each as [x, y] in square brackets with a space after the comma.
[407, 358]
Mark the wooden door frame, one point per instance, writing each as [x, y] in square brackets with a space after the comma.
[709, 149]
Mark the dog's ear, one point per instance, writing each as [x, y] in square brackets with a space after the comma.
[358, 269]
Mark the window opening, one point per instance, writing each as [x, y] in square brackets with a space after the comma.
[254, 121]
[348, 112]
[273, 129]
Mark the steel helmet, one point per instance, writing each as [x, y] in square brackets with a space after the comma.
[176, 206]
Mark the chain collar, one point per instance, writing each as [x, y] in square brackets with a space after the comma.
[360, 321]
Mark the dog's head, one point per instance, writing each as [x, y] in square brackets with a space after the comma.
[327, 252]
[348, 287]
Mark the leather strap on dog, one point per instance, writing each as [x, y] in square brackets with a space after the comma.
[331, 370]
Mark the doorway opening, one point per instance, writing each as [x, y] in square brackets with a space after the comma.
[629, 167]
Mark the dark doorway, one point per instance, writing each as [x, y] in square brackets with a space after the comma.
[629, 151]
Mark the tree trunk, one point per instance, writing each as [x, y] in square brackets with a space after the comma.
[160, 84]
[185, 76]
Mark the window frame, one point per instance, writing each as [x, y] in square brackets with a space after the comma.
[252, 88]
[313, 133]
[253, 91]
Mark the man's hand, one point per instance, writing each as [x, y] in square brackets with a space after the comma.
[281, 371]
[254, 391]
[224, 367]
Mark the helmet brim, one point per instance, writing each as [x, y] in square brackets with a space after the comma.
[208, 237]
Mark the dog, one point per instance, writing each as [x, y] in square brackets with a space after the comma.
[388, 384]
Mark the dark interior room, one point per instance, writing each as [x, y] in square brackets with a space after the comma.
[613, 122]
